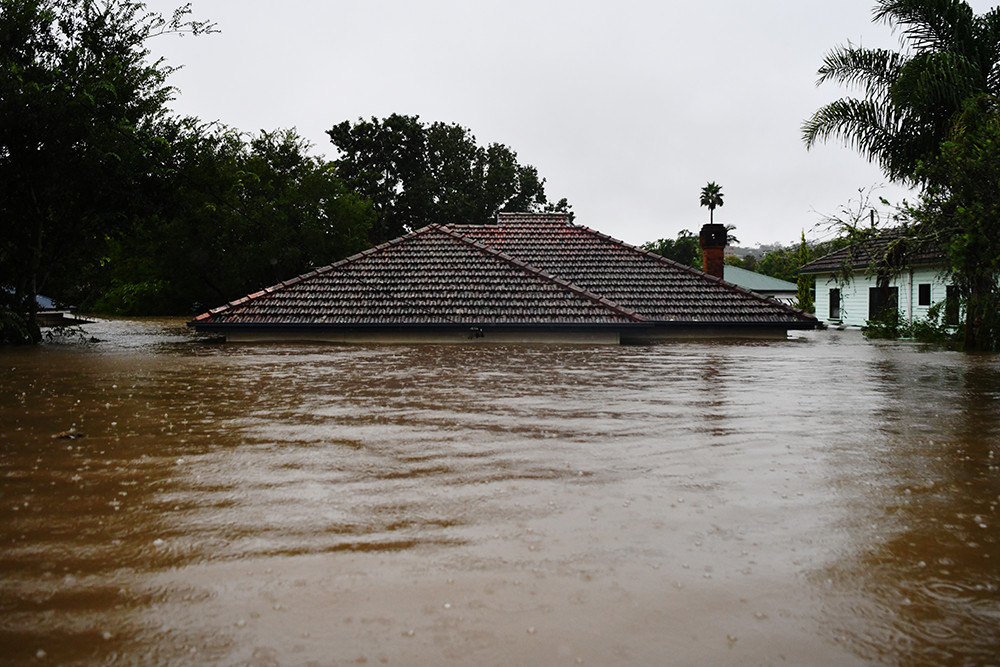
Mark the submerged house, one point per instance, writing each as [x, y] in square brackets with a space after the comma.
[862, 298]
[527, 278]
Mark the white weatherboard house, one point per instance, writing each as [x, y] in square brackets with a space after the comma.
[913, 292]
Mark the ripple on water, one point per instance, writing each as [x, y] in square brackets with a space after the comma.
[857, 460]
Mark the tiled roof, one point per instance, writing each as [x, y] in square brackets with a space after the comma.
[432, 276]
[526, 270]
[657, 288]
[859, 256]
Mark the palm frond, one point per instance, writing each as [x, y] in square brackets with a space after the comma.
[872, 70]
[876, 131]
[937, 84]
[989, 58]
[930, 25]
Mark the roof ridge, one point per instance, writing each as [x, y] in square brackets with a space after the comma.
[689, 269]
[545, 275]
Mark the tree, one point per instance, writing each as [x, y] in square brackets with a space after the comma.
[684, 249]
[782, 264]
[804, 282]
[416, 174]
[240, 213]
[911, 123]
[711, 196]
[959, 212]
[78, 98]
[748, 262]
[910, 97]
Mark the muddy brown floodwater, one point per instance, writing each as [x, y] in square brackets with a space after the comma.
[170, 500]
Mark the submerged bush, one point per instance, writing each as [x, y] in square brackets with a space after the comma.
[932, 329]
[15, 330]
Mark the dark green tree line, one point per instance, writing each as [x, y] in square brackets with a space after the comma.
[240, 213]
[959, 212]
[78, 98]
[684, 249]
[110, 202]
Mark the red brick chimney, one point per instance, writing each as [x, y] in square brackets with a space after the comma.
[713, 246]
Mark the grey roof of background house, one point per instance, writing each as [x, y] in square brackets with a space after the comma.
[859, 255]
[757, 282]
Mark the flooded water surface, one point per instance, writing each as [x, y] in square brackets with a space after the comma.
[170, 500]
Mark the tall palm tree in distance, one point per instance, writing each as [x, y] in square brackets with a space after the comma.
[711, 196]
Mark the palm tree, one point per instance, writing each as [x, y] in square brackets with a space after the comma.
[711, 196]
[910, 97]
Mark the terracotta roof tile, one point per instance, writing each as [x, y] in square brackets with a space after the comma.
[655, 287]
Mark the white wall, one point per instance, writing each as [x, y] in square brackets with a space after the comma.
[854, 295]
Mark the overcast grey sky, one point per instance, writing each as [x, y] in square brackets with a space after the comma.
[626, 108]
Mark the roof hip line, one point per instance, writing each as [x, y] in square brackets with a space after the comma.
[544, 275]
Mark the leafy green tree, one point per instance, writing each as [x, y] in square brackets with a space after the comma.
[79, 97]
[782, 264]
[684, 249]
[239, 214]
[711, 196]
[748, 262]
[960, 213]
[910, 97]
[416, 174]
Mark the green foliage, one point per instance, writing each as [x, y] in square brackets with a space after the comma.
[748, 262]
[885, 327]
[416, 174]
[960, 212]
[15, 329]
[685, 249]
[910, 97]
[930, 117]
[782, 264]
[79, 98]
[239, 213]
[932, 329]
[131, 298]
[804, 293]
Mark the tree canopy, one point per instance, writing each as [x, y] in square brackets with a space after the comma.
[77, 97]
[416, 173]
[238, 213]
[910, 97]
[959, 212]
[112, 203]
[685, 249]
[711, 196]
